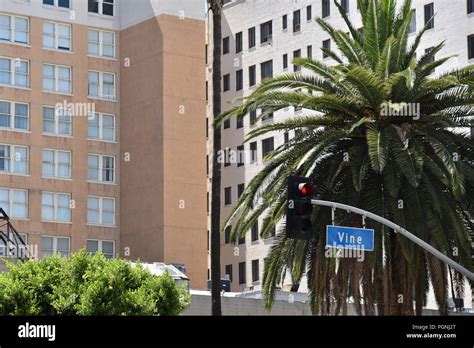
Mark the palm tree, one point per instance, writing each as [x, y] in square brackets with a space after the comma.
[413, 170]
[216, 7]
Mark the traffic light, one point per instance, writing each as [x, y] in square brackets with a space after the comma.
[299, 208]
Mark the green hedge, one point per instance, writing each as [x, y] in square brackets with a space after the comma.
[88, 285]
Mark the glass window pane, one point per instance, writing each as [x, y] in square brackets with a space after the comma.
[21, 24]
[47, 244]
[48, 28]
[92, 246]
[48, 70]
[93, 35]
[93, 49]
[108, 38]
[63, 245]
[108, 247]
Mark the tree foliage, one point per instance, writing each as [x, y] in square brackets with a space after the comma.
[88, 285]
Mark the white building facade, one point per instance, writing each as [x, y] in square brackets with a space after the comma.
[261, 38]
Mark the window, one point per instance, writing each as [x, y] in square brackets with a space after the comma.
[429, 13]
[296, 54]
[14, 159]
[240, 122]
[227, 234]
[226, 81]
[14, 115]
[238, 42]
[107, 248]
[242, 240]
[101, 43]
[309, 13]
[326, 46]
[225, 45]
[240, 156]
[14, 202]
[103, 7]
[228, 195]
[253, 117]
[326, 8]
[252, 37]
[101, 211]
[101, 168]
[227, 156]
[255, 271]
[345, 5]
[14, 29]
[266, 69]
[296, 21]
[254, 231]
[57, 3]
[228, 271]
[266, 32]
[433, 58]
[285, 61]
[57, 36]
[57, 121]
[101, 85]
[242, 273]
[470, 6]
[252, 75]
[240, 190]
[253, 152]
[267, 146]
[286, 138]
[309, 51]
[227, 124]
[56, 164]
[55, 207]
[413, 22]
[267, 115]
[55, 245]
[470, 47]
[284, 21]
[101, 127]
[239, 80]
[57, 79]
[14, 72]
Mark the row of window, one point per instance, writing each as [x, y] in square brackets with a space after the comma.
[56, 121]
[102, 7]
[56, 78]
[56, 36]
[14, 159]
[266, 29]
[254, 234]
[242, 272]
[238, 156]
[54, 245]
[57, 207]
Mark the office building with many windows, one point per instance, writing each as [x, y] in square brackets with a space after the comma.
[102, 128]
[260, 39]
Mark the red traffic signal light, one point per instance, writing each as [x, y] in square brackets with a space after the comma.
[305, 189]
[299, 208]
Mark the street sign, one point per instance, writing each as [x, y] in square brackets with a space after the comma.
[350, 238]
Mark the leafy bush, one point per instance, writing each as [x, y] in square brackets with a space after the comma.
[88, 285]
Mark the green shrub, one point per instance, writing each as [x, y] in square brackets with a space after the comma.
[88, 285]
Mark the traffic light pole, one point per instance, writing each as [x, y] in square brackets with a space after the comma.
[398, 229]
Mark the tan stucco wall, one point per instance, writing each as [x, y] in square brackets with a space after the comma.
[163, 194]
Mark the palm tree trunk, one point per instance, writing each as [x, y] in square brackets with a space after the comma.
[216, 7]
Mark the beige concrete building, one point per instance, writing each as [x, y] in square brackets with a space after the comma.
[102, 128]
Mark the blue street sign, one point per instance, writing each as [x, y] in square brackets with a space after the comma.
[350, 238]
